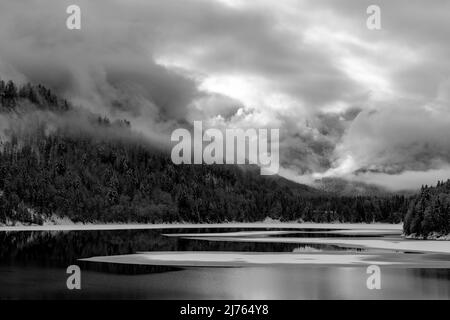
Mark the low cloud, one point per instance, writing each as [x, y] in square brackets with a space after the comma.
[349, 102]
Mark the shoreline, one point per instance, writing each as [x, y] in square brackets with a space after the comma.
[181, 225]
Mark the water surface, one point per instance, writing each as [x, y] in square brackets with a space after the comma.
[33, 266]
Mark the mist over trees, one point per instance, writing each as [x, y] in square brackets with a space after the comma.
[89, 178]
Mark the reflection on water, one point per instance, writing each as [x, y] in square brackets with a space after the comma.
[33, 265]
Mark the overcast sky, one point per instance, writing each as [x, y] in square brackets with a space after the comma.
[369, 105]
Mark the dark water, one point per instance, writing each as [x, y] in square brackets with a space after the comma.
[33, 266]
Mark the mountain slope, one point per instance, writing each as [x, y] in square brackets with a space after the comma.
[56, 160]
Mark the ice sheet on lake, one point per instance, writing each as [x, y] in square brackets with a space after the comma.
[242, 259]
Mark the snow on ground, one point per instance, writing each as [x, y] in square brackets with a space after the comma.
[134, 226]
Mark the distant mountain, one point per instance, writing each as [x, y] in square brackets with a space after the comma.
[302, 189]
[343, 187]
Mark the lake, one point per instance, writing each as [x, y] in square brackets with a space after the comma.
[233, 261]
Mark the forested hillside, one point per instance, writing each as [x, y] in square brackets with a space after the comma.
[429, 212]
[91, 177]
[91, 180]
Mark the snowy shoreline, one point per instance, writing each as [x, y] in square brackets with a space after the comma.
[136, 226]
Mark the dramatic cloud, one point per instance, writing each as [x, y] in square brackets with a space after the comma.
[350, 102]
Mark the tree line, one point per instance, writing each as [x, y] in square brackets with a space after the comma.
[429, 212]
